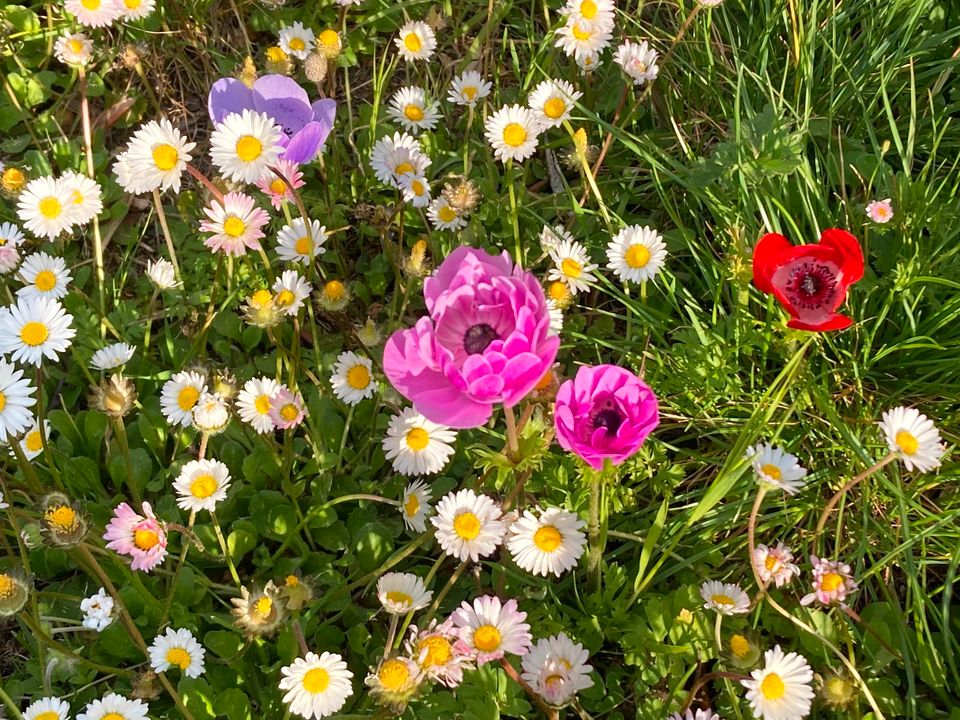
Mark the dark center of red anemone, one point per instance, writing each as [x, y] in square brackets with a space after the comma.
[811, 285]
[608, 416]
[477, 337]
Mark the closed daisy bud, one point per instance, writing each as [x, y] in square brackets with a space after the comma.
[248, 73]
[838, 691]
[315, 67]
[334, 296]
[261, 311]
[742, 649]
[400, 593]
[14, 591]
[61, 521]
[329, 44]
[13, 180]
[115, 396]
[211, 414]
[259, 612]
[224, 383]
[296, 591]
[394, 682]
[416, 263]
[278, 61]
[368, 334]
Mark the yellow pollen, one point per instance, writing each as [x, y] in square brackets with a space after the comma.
[486, 638]
[33, 441]
[188, 398]
[637, 256]
[358, 377]
[831, 582]
[771, 563]
[571, 268]
[289, 412]
[48, 715]
[75, 46]
[329, 38]
[413, 112]
[466, 525]
[249, 148]
[412, 42]
[62, 517]
[7, 585]
[401, 598]
[12, 179]
[263, 606]
[334, 290]
[393, 675]
[276, 54]
[297, 44]
[262, 404]
[203, 486]
[469, 92]
[278, 186]
[547, 539]
[411, 506]
[554, 107]
[403, 168]
[45, 281]
[558, 291]
[50, 208]
[261, 298]
[113, 716]
[772, 687]
[90, 4]
[34, 334]
[165, 156]
[721, 599]
[3, 401]
[417, 439]
[292, 581]
[234, 226]
[132, 4]
[588, 8]
[417, 187]
[145, 539]
[739, 646]
[772, 471]
[439, 651]
[580, 34]
[285, 297]
[514, 135]
[447, 213]
[907, 443]
[179, 657]
[316, 681]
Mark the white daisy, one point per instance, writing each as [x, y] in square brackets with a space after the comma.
[35, 328]
[552, 101]
[3, 504]
[581, 39]
[137, 9]
[512, 132]
[468, 88]
[725, 598]
[317, 685]
[468, 525]
[782, 688]
[32, 441]
[297, 40]
[444, 216]
[415, 189]
[588, 62]
[244, 145]
[636, 254]
[352, 379]
[417, 446]
[97, 611]
[295, 243]
[393, 157]
[9, 258]
[409, 107]
[415, 41]
[201, 485]
[700, 714]
[638, 60]
[94, 13]
[556, 316]
[597, 12]
[48, 708]
[913, 437]
[400, 593]
[86, 196]
[880, 211]
[16, 395]
[112, 356]
[44, 276]
[415, 506]
[235, 223]
[177, 648]
[551, 543]
[162, 274]
[290, 290]
[73, 49]
[211, 414]
[45, 206]
[557, 669]
[115, 707]
[253, 403]
[179, 396]
[572, 265]
[490, 629]
[155, 159]
[551, 238]
[10, 235]
[777, 467]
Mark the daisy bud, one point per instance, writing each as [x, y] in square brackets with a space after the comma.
[742, 649]
[14, 591]
[146, 686]
[334, 296]
[61, 521]
[368, 334]
[329, 44]
[224, 383]
[259, 612]
[277, 61]
[211, 414]
[837, 690]
[13, 180]
[297, 592]
[115, 396]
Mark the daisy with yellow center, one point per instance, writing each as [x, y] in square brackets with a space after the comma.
[259, 612]
[300, 242]
[236, 224]
[638, 61]
[913, 437]
[287, 409]
[600, 13]
[201, 485]
[415, 506]
[245, 145]
[636, 254]
[297, 40]
[114, 707]
[352, 378]
[16, 397]
[142, 537]
[73, 49]
[557, 669]
[443, 216]
[394, 156]
[45, 207]
[775, 564]
[253, 403]
[580, 38]
[316, 686]
[548, 544]
[468, 89]
[394, 682]
[35, 328]
[61, 521]
[48, 708]
[782, 688]
[137, 9]
[177, 649]
[513, 133]
[571, 265]
[85, 196]
[290, 290]
[44, 276]
[415, 41]
[410, 107]
[179, 396]
[725, 598]
[468, 526]
[552, 101]
[778, 468]
[155, 159]
[94, 13]
[417, 446]
[832, 582]
[400, 593]
[490, 629]
[880, 211]
[32, 443]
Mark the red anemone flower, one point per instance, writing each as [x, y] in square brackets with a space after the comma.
[810, 281]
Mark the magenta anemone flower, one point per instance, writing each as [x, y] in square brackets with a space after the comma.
[305, 126]
[486, 340]
[142, 537]
[604, 412]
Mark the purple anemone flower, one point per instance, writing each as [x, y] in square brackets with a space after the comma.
[305, 126]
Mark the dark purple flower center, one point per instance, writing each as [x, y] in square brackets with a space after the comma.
[477, 337]
[811, 285]
[608, 416]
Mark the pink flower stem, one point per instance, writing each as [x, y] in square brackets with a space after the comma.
[832, 503]
[510, 670]
[301, 640]
[205, 181]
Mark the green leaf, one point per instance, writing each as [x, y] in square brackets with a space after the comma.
[233, 704]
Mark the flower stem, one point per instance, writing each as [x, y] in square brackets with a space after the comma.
[91, 173]
[594, 539]
[176, 573]
[162, 217]
[391, 634]
[121, 431]
[832, 503]
[223, 547]
[513, 442]
[551, 713]
[451, 581]
[11, 705]
[716, 632]
[514, 219]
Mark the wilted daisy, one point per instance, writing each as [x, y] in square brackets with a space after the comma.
[782, 688]
[838, 690]
[137, 9]
[201, 485]
[115, 707]
[48, 708]
[114, 396]
[550, 543]
[177, 648]
[35, 328]
[397, 155]
[61, 521]
[400, 593]
[16, 396]
[636, 254]
[468, 525]
[352, 380]
[260, 309]
[417, 446]
[244, 145]
[142, 537]
[638, 60]
[179, 396]
[258, 612]
[46, 207]
[512, 132]
[489, 629]
[913, 437]
[290, 290]
[236, 224]
[571, 264]
[775, 564]
[557, 669]
[316, 686]
[394, 682]
[581, 38]
[112, 356]
[14, 592]
[32, 443]
[368, 334]
[552, 101]
[280, 189]
[162, 274]
[435, 650]
[211, 414]
[832, 582]
[297, 40]
[415, 506]
[777, 467]
[415, 41]
[443, 215]
[725, 598]
[253, 403]
[86, 196]
[287, 409]
[334, 296]
[468, 88]
[73, 49]
[298, 243]
[880, 211]
[44, 276]
[155, 158]
[94, 13]
[97, 611]
[415, 189]
[700, 714]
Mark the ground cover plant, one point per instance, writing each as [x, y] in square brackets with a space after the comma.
[365, 359]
